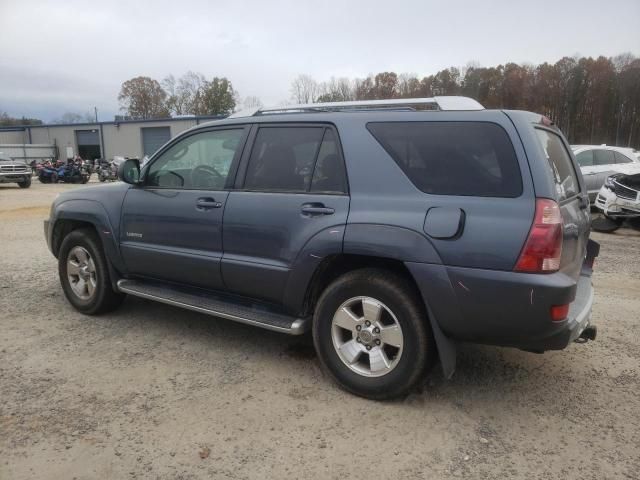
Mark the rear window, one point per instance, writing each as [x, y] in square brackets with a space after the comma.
[453, 158]
[559, 163]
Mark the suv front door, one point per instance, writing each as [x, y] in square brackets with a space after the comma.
[291, 202]
[172, 223]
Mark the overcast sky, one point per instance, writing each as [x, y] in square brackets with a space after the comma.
[59, 56]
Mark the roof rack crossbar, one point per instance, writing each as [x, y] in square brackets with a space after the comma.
[444, 103]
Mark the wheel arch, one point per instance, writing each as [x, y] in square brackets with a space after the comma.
[334, 266]
[76, 214]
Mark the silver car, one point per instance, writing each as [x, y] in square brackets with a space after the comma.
[597, 162]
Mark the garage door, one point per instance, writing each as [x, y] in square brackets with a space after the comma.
[153, 138]
[88, 144]
[88, 137]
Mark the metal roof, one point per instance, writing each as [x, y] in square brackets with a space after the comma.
[88, 125]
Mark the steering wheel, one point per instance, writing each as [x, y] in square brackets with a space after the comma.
[202, 176]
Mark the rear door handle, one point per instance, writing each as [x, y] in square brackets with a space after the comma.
[316, 209]
[207, 203]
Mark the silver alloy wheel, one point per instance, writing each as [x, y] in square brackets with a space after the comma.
[81, 273]
[367, 336]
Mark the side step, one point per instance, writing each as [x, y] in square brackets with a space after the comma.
[217, 305]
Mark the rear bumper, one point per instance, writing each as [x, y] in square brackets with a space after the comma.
[579, 316]
[505, 308]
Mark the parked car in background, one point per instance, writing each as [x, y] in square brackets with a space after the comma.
[619, 199]
[597, 162]
[14, 171]
[389, 231]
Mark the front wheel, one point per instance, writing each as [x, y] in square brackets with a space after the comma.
[84, 274]
[371, 333]
[26, 183]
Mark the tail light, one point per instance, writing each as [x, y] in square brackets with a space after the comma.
[543, 248]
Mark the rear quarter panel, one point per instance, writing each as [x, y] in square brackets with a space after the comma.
[382, 197]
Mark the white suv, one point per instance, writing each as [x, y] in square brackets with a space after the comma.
[597, 162]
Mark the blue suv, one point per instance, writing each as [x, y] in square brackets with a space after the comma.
[390, 229]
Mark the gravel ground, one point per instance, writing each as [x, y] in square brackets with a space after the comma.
[152, 391]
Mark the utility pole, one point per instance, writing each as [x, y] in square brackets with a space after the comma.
[95, 109]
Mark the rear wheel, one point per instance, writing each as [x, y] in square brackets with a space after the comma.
[371, 334]
[84, 274]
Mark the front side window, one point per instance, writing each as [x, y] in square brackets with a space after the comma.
[453, 158]
[603, 157]
[559, 163]
[200, 161]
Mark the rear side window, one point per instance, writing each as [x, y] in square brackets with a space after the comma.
[604, 157]
[453, 158]
[296, 159]
[283, 158]
[620, 158]
[559, 163]
[329, 175]
[585, 159]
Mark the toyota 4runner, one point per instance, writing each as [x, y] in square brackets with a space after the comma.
[390, 229]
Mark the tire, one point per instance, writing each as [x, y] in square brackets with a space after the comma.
[26, 183]
[634, 222]
[604, 224]
[98, 296]
[401, 306]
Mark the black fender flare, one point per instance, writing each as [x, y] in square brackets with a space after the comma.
[94, 213]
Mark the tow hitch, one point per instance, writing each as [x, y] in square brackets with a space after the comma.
[587, 334]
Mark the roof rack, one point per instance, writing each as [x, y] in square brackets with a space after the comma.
[396, 104]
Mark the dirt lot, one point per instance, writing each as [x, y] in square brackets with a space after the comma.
[151, 391]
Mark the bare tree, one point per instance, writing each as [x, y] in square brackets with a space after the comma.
[73, 117]
[185, 95]
[304, 89]
[336, 90]
[251, 102]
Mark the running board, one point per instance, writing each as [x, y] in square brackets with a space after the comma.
[229, 307]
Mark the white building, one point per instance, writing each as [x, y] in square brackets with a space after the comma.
[127, 138]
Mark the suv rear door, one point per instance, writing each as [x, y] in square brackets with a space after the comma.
[291, 188]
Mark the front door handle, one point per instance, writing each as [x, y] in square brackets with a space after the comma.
[316, 209]
[207, 203]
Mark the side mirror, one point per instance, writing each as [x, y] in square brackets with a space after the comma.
[129, 171]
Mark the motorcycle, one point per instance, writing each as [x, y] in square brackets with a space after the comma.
[74, 171]
[47, 172]
[108, 171]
